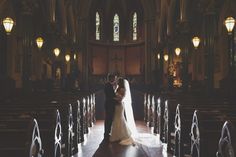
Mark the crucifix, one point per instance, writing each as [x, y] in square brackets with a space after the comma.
[116, 59]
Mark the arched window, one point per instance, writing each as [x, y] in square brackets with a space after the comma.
[98, 26]
[116, 28]
[135, 21]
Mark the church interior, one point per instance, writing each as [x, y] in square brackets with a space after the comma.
[177, 55]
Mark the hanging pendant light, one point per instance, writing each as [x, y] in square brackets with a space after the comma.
[196, 42]
[177, 51]
[67, 57]
[8, 24]
[39, 42]
[56, 52]
[166, 57]
[229, 24]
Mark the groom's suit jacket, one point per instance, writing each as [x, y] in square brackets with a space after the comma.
[110, 95]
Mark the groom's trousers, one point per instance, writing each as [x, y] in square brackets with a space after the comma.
[109, 115]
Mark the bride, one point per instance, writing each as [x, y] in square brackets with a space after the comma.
[123, 126]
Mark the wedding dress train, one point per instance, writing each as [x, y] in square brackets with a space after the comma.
[124, 127]
[120, 130]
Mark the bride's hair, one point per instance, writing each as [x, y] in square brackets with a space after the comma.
[121, 83]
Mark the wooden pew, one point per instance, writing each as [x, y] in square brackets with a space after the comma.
[76, 125]
[221, 108]
[157, 116]
[27, 109]
[45, 117]
[85, 117]
[49, 120]
[183, 120]
[148, 109]
[205, 132]
[82, 117]
[67, 129]
[93, 104]
[227, 141]
[58, 136]
[145, 107]
[152, 112]
[89, 112]
[21, 139]
[168, 126]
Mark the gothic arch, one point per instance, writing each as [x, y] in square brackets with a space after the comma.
[52, 11]
[71, 23]
[183, 10]
[173, 16]
[7, 9]
[162, 32]
[63, 22]
[58, 6]
[85, 6]
[149, 8]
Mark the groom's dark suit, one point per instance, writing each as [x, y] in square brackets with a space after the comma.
[110, 103]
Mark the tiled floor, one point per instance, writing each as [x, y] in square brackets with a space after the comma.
[93, 147]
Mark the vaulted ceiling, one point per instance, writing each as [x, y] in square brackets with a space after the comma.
[64, 16]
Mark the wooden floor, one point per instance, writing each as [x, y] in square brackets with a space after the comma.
[93, 147]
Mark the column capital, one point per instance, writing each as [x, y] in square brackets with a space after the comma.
[211, 8]
[27, 7]
[149, 20]
[184, 28]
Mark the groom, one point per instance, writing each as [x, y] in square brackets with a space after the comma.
[110, 103]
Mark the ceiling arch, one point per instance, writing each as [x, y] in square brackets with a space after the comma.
[148, 7]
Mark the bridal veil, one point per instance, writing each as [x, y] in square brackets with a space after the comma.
[128, 109]
[149, 140]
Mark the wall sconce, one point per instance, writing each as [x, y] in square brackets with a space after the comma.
[67, 57]
[56, 52]
[166, 57]
[39, 42]
[196, 42]
[8, 24]
[75, 56]
[177, 51]
[229, 24]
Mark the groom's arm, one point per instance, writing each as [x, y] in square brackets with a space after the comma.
[109, 92]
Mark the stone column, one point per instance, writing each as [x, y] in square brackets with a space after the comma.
[231, 55]
[185, 66]
[149, 42]
[161, 67]
[210, 25]
[170, 63]
[186, 40]
[26, 30]
[3, 54]
[83, 40]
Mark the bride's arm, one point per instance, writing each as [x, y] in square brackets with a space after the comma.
[120, 94]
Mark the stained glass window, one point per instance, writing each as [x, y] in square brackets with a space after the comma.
[98, 25]
[116, 31]
[135, 20]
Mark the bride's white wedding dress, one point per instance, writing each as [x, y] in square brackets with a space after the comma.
[120, 130]
[124, 127]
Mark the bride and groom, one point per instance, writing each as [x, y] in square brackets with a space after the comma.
[119, 119]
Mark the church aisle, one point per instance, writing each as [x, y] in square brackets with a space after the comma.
[93, 147]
